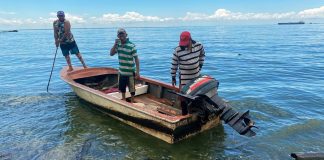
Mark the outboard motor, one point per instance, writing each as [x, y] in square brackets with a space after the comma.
[201, 97]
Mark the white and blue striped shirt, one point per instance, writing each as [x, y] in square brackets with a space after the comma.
[189, 63]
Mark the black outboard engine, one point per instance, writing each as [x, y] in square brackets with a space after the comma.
[201, 97]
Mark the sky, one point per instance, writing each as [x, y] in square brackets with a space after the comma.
[15, 14]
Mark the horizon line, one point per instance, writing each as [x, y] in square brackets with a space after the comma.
[155, 26]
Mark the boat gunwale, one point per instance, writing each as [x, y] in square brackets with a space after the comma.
[66, 76]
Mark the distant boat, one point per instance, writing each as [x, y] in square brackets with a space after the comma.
[288, 23]
[10, 31]
[13, 31]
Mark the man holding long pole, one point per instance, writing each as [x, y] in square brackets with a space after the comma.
[64, 38]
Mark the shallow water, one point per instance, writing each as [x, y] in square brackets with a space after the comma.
[274, 71]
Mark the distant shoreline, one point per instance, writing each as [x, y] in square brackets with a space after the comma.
[2, 30]
[10, 31]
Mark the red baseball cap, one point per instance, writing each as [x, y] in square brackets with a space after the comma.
[185, 38]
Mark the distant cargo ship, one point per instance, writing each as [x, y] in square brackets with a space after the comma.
[300, 22]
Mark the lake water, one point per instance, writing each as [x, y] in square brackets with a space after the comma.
[276, 72]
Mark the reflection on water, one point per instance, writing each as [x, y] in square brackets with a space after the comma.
[69, 128]
[52, 126]
[94, 134]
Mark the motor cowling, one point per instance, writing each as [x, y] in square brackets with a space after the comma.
[203, 85]
[201, 97]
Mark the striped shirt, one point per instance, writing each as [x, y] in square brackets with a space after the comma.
[126, 54]
[189, 63]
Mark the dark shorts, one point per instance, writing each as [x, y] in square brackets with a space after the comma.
[126, 81]
[68, 48]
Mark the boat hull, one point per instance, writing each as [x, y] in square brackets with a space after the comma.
[170, 129]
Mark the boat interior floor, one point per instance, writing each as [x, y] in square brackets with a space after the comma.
[161, 105]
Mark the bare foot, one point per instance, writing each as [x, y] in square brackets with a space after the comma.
[70, 69]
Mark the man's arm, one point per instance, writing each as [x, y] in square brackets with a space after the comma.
[56, 35]
[174, 67]
[137, 66]
[135, 56]
[201, 57]
[113, 49]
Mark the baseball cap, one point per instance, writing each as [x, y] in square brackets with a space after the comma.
[60, 13]
[185, 38]
[121, 30]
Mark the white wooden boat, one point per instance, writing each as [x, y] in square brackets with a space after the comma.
[156, 108]
[156, 111]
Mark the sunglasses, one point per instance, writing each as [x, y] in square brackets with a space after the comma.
[121, 34]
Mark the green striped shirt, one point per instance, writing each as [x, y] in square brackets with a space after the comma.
[126, 54]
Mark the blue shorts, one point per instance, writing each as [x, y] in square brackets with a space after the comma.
[68, 48]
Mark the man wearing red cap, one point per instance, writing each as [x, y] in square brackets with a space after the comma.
[189, 58]
[64, 38]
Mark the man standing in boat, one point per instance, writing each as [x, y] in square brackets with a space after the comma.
[64, 38]
[189, 58]
[127, 54]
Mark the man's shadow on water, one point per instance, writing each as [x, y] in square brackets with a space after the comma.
[100, 135]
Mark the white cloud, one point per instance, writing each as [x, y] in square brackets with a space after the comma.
[10, 21]
[7, 13]
[39, 22]
[129, 17]
[72, 18]
[312, 13]
[75, 19]
[223, 14]
[194, 16]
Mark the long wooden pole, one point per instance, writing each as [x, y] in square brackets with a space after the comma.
[52, 69]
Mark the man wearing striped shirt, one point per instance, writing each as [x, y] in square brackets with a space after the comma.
[189, 58]
[127, 53]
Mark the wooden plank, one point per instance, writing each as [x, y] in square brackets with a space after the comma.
[167, 111]
[160, 91]
[159, 83]
[161, 105]
[161, 100]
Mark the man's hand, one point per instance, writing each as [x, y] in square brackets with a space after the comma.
[113, 49]
[174, 81]
[137, 75]
[200, 66]
[57, 43]
[117, 41]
